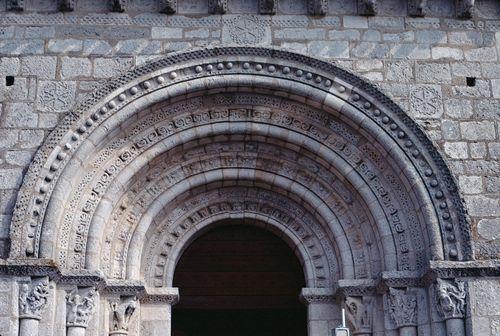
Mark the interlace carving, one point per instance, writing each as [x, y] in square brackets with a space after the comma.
[359, 313]
[33, 299]
[450, 298]
[80, 307]
[402, 307]
[122, 313]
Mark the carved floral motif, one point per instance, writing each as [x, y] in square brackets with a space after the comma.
[450, 298]
[402, 307]
[80, 307]
[33, 299]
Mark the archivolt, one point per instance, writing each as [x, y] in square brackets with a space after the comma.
[326, 141]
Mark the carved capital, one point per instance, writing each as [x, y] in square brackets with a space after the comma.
[359, 311]
[268, 6]
[33, 298]
[80, 305]
[168, 6]
[417, 7]
[122, 311]
[15, 5]
[402, 307]
[465, 8]
[367, 7]
[450, 298]
[217, 6]
[317, 7]
[119, 5]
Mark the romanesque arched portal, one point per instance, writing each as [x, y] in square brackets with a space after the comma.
[319, 156]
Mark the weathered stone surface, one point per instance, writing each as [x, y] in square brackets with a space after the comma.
[489, 228]
[64, 46]
[456, 150]
[56, 96]
[73, 67]
[327, 49]
[109, 67]
[433, 72]
[41, 66]
[478, 130]
[20, 115]
[10, 178]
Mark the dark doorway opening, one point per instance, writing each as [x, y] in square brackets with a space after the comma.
[239, 280]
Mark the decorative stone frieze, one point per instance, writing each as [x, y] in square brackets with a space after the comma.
[33, 298]
[122, 311]
[402, 306]
[450, 298]
[80, 304]
[359, 312]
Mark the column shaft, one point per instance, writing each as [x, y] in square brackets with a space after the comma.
[408, 331]
[455, 327]
[76, 331]
[28, 327]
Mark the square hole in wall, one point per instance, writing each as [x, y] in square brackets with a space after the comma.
[9, 80]
[471, 81]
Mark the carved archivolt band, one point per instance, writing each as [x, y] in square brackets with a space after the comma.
[364, 141]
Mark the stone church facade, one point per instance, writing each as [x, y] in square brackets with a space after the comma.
[364, 134]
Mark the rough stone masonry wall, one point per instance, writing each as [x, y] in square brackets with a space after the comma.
[443, 71]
